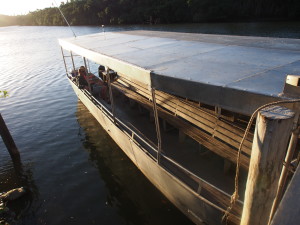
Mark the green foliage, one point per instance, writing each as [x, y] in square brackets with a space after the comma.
[3, 94]
[97, 12]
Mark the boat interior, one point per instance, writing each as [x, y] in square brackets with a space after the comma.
[191, 122]
[199, 142]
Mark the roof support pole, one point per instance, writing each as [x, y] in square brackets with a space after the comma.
[157, 125]
[110, 93]
[62, 52]
[271, 136]
[85, 65]
[72, 60]
[285, 170]
[87, 72]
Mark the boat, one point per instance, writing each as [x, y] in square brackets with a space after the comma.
[178, 105]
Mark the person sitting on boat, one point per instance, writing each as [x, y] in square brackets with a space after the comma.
[103, 75]
[101, 70]
[100, 91]
[81, 79]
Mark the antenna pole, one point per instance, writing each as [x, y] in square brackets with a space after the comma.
[64, 18]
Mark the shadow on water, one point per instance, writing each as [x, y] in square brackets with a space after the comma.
[20, 175]
[134, 198]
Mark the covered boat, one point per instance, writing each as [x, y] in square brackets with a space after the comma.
[179, 104]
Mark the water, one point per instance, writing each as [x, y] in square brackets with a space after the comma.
[74, 172]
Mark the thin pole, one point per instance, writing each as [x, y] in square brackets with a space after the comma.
[64, 18]
[285, 171]
[110, 94]
[156, 125]
[62, 52]
[88, 62]
[72, 60]
[84, 60]
[8, 140]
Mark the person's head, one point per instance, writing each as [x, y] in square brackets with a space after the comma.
[101, 68]
[81, 70]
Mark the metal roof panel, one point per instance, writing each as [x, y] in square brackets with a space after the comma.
[202, 67]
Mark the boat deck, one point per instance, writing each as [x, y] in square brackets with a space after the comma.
[187, 152]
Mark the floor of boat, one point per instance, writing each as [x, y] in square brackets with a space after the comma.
[188, 153]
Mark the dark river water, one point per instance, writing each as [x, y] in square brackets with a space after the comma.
[73, 171]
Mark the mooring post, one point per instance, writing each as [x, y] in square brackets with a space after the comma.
[8, 140]
[271, 136]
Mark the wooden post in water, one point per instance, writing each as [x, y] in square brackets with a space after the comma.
[8, 140]
[272, 132]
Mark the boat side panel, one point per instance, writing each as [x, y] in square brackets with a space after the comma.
[179, 194]
[118, 136]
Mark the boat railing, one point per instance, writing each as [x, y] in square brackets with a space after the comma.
[134, 136]
[206, 191]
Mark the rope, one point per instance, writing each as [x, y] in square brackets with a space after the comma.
[235, 194]
[64, 18]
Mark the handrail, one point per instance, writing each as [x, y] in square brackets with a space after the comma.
[103, 108]
[198, 179]
[188, 173]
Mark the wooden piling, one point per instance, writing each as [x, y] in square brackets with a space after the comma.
[8, 140]
[272, 132]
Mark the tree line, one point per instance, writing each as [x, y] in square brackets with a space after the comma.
[96, 12]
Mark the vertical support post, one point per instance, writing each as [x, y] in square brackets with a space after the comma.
[272, 132]
[288, 160]
[110, 94]
[156, 125]
[62, 52]
[87, 74]
[72, 60]
[285, 170]
[88, 63]
[8, 140]
[85, 65]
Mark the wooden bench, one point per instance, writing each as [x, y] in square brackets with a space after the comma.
[212, 138]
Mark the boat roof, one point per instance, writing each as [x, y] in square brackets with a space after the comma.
[237, 73]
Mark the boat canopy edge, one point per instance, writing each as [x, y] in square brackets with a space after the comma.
[128, 70]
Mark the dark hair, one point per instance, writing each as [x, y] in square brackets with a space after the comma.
[101, 68]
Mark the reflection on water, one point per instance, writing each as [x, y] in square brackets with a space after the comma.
[128, 190]
[74, 172]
